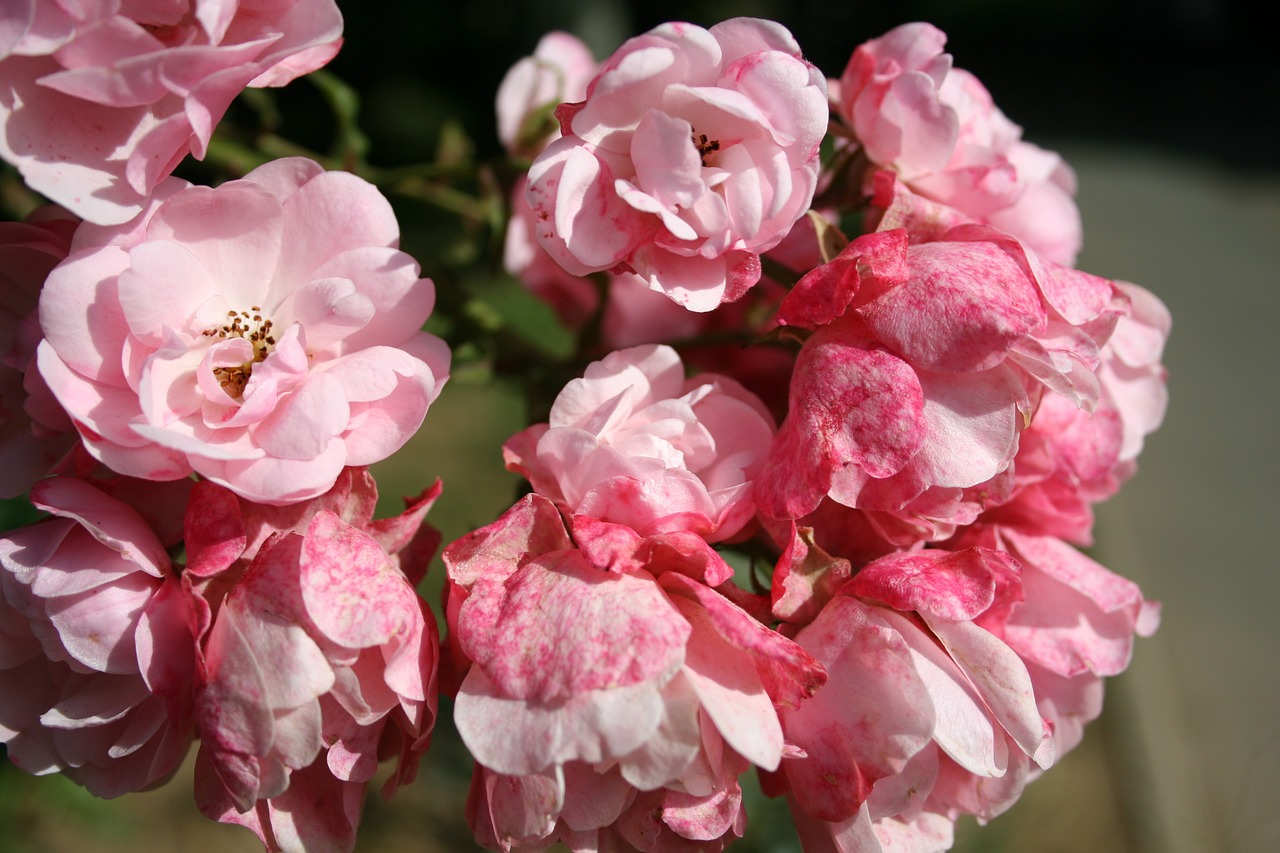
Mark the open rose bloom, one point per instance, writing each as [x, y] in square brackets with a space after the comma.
[100, 100]
[634, 442]
[939, 131]
[35, 433]
[612, 696]
[321, 661]
[270, 331]
[694, 152]
[98, 657]
[801, 503]
[292, 645]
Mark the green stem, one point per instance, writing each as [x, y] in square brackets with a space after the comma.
[233, 157]
[445, 197]
[781, 273]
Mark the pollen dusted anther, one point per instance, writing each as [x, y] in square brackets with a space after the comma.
[705, 146]
[257, 331]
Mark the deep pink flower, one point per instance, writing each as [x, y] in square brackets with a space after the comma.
[927, 362]
[629, 671]
[1069, 459]
[223, 532]
[97, 652]
[694, 151]
[35, 433]
[635, 442]
[264, 334]
[100, 100]
[322, 645]
[937, 127]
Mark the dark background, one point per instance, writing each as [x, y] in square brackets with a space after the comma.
[1183, 75]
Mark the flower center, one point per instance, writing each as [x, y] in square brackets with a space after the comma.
[170, 26]
[705, 146]
[254, 328]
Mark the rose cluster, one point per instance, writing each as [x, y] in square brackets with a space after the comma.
[264, 335]
[100, 100]
[806, 502]
[913, 441]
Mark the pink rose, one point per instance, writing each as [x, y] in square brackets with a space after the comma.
[35, 433]
[609, 699]
[925, 710]
[937, 127]
[98, 104]
[558, 71]
[270, 332]
[636, 443]
[223, 532]
[926, 364]
[97, 654]
[574, 299]
[322, 645]
[694, 152]
[1068, 458]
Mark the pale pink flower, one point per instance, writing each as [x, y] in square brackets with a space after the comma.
[558, 71]
[1132, 374]
[100, 100]
[573, 298]
[937, 127]
[635, 442]
[97, 654]
[322, 645]
[694, 152]
[264, 334]
[35, 433]
[599, 674]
